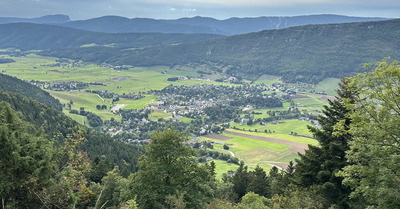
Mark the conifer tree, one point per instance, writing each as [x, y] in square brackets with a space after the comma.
[259, 182]
[319, 165]
[26, 161]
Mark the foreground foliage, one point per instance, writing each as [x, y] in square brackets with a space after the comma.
[373, 172]
[170, 175]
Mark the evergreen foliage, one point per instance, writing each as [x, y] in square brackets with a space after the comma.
[57, 126]
[13, 84]
[319, 165]
[26, 161]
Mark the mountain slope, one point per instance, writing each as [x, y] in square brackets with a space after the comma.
[27, 36]
[57, 126]
[305, 53]
[13, 84]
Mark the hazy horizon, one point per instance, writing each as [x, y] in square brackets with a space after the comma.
[218, 9]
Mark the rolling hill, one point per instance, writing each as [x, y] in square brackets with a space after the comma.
[28, 36]
[13, 84]
[303, 53]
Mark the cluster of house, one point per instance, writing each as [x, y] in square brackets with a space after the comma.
[60, 85]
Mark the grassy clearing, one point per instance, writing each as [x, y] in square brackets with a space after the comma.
[185, 119]
[262, 155]
[328, 85]
[312, 101]
[138, 104]
[267, 79]
[293, 125]
[243, 144]
[298, 139]
[263, 114]
[154, 116]
[85, 100]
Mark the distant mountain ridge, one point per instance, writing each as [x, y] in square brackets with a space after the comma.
[231, 26]
[193, 25]
[48, 19]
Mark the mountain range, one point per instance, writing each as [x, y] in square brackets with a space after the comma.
[307, 53]
[231, 26]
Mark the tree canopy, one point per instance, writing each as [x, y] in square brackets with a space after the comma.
[169, 174]
[374, 155]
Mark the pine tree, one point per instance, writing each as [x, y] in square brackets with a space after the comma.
[240, 180]
[26, 161]
[319, 165]
[259, 182]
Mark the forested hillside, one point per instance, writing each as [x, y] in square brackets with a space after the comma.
[28, 36]
[57, 127]
[13, 84]
[305, 53]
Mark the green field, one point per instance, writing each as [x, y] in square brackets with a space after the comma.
[138, 104]
[298, 139]
[154, 116]
[288, 126]
[328, 85]
[267, 79]
[85, 100]
[185, 119]
[238, 144]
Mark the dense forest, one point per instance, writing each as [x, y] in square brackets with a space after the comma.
[12, 84]
[56, 127]
[355, 165]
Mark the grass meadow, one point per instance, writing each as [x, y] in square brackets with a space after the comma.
[85, 100]
[138, 104]
[288, 126]
[154, 116]
[328, 85]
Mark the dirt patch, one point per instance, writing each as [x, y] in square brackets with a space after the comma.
[217, 136]
[294, 146]
[326, 98]
[117, 107]
[57, 71]
[299, 96]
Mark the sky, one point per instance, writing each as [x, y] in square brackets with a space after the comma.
[219, 9]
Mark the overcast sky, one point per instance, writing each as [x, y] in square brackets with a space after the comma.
[220, 9]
